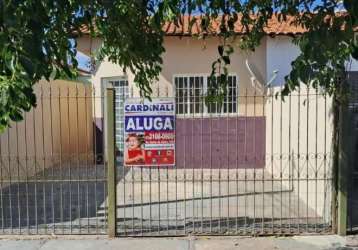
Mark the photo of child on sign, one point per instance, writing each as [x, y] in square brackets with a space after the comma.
[135, 153]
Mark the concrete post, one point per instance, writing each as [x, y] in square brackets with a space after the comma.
[110, 159]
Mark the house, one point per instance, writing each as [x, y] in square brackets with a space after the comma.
[186, 67]
[255, 134]
[254, 164]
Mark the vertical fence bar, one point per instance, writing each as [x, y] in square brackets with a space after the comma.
[150, 199]
[86, 156]
[35, 166]
[307, 154]
[177, 103]
[43, 160]
[9, 181]
[316, 159]
[70, 156]
[219, 182]
[132, 168]
[26, 175]
[226, 105]
[237, 160]
[78, 160]
[18, 177]
[298, 158]
[290, 173]
[141, 202]
[141, 187]
[158, 182]
[192, 111]
[60, 158]
[133, 198]
[186, 107]
[1, 189]
[167, 175]
[201, 110]
[263, 174]
[104, 169]
[141, 193]
[122, 97]
[52, 167]
[325, 150]
[255, 160]
[245, 169]
[281, 165]
[336, 118]
[110, 159]
[272, 163]
[211, 168]
[94, 158]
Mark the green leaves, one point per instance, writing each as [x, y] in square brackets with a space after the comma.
[217, 88]
[352, 7]
[36, 40]
[325, 49]
[34, 43]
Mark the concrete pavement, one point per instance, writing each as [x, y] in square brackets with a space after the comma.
[328, 242]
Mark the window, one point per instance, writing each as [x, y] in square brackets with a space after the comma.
[120, 84]
[191, 91]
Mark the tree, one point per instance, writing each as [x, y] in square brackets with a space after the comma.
[37, 39]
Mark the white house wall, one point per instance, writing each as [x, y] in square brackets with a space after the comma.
[352, 65]
[186, 56]
[281, 52]
[279, 55]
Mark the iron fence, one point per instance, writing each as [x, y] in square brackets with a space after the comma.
[258, 164]
[52, 176]
[264, 167]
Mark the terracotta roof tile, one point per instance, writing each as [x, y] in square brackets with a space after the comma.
[274, 27]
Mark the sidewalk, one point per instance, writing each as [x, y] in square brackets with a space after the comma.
[187, 243]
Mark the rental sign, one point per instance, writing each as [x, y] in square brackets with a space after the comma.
[149, 132]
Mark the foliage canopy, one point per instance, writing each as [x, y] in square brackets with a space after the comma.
[37, 39]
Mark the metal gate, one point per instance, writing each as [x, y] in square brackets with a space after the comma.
[254, 164]
[52, 175]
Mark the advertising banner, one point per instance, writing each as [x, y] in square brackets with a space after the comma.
[149, 132]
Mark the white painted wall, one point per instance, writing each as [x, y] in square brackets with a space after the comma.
[352, 65]
[279, 55]
[281, 52]
[187, 56]
[300, 129]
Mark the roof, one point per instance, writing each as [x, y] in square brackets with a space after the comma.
[83, 72]
[274, 27]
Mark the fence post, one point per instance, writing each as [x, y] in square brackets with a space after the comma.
[110, 158]
[344, 156]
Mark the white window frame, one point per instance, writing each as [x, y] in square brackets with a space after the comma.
[119, 100]
[205, 113]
